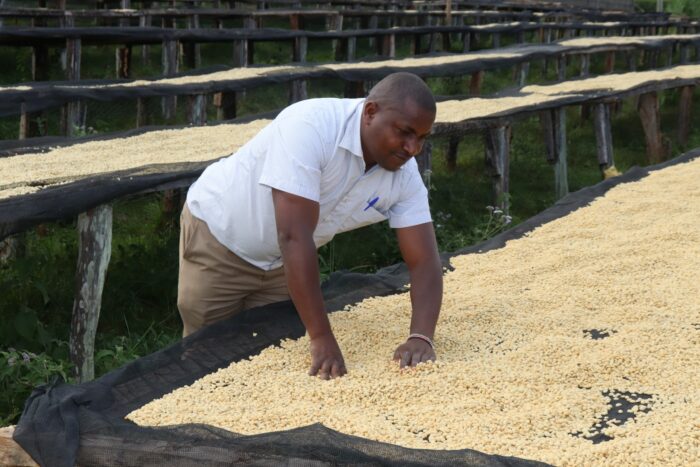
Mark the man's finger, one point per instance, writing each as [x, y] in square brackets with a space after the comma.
[397, 355]
[416, 358]
[337, 369]
[405, 358]
[315, 366]
[325, 371]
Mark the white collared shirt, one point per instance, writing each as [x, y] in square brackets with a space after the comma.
[313, 150]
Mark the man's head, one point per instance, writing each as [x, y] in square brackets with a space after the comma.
[397, 117]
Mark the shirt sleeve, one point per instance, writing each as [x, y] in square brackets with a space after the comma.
[294, 159]
[412, 207]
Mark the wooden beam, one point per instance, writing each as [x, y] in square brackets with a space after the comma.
[497, 146]
[649, 115]
[609, 62]
[95, 247]
[685, 105]
[11, 453]
[603, 138]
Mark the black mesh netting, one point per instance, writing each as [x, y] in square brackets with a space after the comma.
[63, 424]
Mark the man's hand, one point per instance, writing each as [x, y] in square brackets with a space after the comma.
[326, 358]
[414, 351]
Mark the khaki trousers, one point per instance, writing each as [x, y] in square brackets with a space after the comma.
[214, 283]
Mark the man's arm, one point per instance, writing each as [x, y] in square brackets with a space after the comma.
[296, 218]
[419, 250]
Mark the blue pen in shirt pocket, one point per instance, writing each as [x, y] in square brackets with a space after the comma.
[371, 203]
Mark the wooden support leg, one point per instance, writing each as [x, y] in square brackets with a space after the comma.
[466, 41]
[145, 22]
[561, 178]
[649, 115]
[297, 90]
[141, 112]
[603, 138]
[684, 54]
[498, 161]
[225, 103]
[521, 72]
[352, 48]
[561, 68]
[197, 109]
[496, 42]
[95, 246]
[389, 46]
[475, 82]
[123, 61]
[354, 89]
[554, 128]
[170, 65]
[452, 148]
[585, 65]
[373, 22]
[686, 102]
[610, 62]
[424, 160]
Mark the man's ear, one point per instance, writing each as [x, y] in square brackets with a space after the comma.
[370, 110]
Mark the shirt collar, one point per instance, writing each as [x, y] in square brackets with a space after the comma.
[351, 138]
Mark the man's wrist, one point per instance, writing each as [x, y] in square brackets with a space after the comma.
[422, 337]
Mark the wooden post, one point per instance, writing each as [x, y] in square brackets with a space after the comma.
[521, 72]
[352, 48]
[354, 89]
[373, 21]
[73, 121]
[141, 112]
[466, 41]
[389, 45]
[170, 65]
[585, 65]
[95, 246]
[334, 23]
[123, 59]
[497, 147]
[632, 58]
[561, 178]
[685, 104]
[225, 103]
[603, 138]
[649, 115]
[297, 90]
[475, 82]
[452, 150]
[250, 23]
[424, 160]
[561, 68]
[554, 128]
[144, 22]
[684, 54]
[609, 62]
[197, 109]
[496, 40]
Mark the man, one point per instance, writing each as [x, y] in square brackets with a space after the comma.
[253, 221]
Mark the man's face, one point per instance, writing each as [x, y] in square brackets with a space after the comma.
[391, 135]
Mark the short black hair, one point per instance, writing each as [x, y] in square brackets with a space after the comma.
[397, 87]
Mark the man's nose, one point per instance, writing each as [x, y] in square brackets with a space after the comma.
[412, 146]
